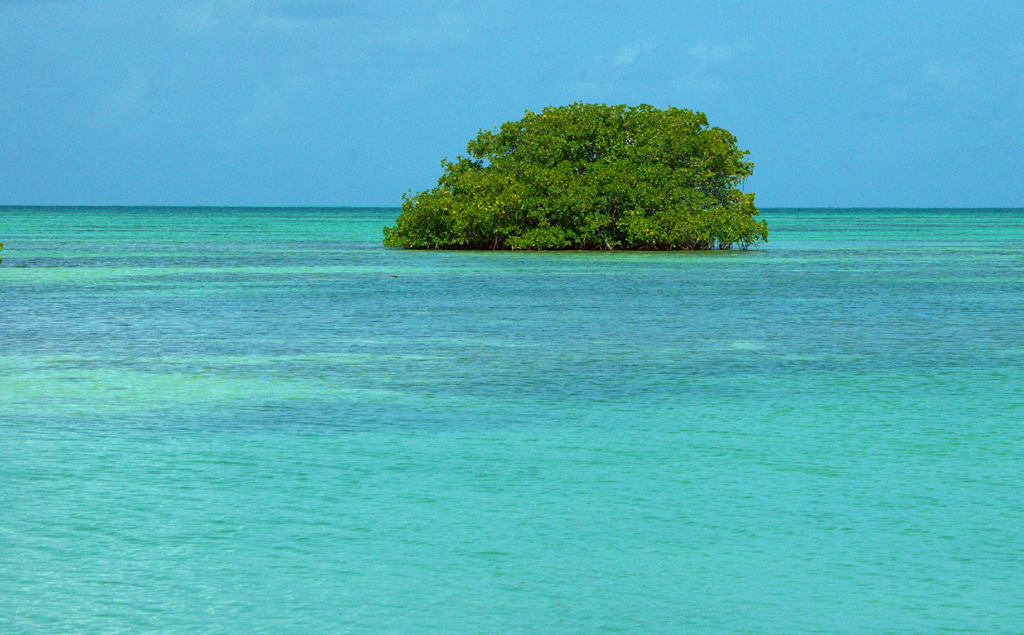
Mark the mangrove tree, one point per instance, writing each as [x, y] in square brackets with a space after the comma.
[589, 176]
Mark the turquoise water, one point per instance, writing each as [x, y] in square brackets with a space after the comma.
[261, 421]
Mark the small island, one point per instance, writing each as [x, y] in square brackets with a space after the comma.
[589, 176]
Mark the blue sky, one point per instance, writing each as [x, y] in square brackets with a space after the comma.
[352, 102]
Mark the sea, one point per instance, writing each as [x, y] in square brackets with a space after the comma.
[228, 420]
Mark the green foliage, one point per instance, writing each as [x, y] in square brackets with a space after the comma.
[589, 176]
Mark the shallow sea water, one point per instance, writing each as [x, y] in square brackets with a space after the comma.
[261, 421]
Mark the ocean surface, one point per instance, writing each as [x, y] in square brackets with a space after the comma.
[262, 421]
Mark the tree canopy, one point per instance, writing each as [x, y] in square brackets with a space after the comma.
[589, 176]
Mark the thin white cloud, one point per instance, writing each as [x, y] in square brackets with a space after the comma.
[298, 16]
[443, 29]
[313, 9]
[628, 55]
[706, 61]
[263, 16]
[717, 54]
[702, 86]
[381, 22]
[280, 24]
[599, 76]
